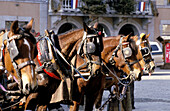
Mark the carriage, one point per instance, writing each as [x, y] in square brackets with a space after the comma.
[60, 69]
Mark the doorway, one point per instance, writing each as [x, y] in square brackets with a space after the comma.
[127, 29]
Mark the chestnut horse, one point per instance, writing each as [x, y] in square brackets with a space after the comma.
[81, 46]
[121, 58]
[19, 50]
[146, 52]
[88, 62]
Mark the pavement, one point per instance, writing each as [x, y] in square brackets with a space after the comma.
[159, 70]
[146, 100]
[152, 93]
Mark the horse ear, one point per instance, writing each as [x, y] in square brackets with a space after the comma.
[129, 36]
[135, 38]
[86, 28]
[29, 25]
[95, 25]
[14, 27]
[147, 36]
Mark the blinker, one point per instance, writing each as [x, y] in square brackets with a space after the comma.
[13, 50]
[145, 51]
[91, 48]
[127, 52]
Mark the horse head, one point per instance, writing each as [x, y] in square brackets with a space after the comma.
[91, 49]
[20, 50]
[134, 60]
[124, 54]
[146, 53]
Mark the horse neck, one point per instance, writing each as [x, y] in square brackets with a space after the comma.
[112, 40]
[110, 44]
[69, 41]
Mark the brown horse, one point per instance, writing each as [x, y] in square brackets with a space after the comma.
[146, 52]
[88, 62]
[118, 64]
[73, 45]
[110, 43]
[19, 51]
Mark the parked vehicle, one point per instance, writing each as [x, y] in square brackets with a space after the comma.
[157, 53]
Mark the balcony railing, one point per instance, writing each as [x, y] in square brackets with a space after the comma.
[65, 5]
[74, 5]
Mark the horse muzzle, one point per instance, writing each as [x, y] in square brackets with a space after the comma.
[136, 75]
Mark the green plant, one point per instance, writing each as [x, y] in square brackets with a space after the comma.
[124, 6]
[93, 7]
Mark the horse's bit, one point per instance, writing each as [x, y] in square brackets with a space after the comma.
[13, 51]
[146, 51]
[91, 49]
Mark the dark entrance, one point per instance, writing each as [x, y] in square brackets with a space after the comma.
[66, 27]
[127, 29]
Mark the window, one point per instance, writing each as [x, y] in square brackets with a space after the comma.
[168, 2]
[20, 23]
[166, 29]
[154, 48]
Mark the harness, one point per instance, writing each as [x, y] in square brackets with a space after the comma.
[94, 47]
[127, 52]
[45, 58]
[146, 51]
[10, 43]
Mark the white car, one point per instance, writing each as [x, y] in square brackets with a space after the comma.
[157, 53]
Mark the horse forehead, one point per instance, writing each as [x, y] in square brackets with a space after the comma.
[26, 42]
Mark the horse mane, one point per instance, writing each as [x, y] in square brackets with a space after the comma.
[68, 41]
[69, 31]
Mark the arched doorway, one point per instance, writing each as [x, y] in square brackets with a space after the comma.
[127, 29]
[66, 27]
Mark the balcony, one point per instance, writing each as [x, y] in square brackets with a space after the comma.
[67, 6]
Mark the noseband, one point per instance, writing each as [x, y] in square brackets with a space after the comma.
[13, 51]
[146, 51]
[93, 47]
[127, 52]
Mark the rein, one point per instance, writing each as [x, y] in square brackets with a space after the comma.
[148, 60]
[112, 62]
[118, 78]
[60, 54]
[16, 66]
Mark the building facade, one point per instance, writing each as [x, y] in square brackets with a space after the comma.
[162, 22]
[23, 11]
[62, 17]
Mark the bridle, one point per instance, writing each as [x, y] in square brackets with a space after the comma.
[90, 45]
[13, 51]
[126, 52]
[146, 53]
[123, 80]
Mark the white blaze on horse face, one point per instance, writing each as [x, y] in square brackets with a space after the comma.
[25, 76]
